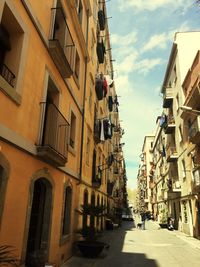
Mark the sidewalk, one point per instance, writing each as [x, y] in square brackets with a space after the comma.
[195, 243]
[115, 239]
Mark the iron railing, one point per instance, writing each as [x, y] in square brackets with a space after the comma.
[55, 131]
[7, 74]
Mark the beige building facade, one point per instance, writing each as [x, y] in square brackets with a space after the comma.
[175, 188]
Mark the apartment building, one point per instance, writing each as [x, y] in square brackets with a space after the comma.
[174, 182]
[145, 174]
[52, 53]
[102, 152]
[191, 144]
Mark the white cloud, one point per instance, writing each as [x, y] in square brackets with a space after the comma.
[126, 65]
[124, 40]
[161, 40]
[145, 65]
[157, 40]
[151, 5]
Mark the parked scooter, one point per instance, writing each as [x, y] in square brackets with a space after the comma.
[170, 223]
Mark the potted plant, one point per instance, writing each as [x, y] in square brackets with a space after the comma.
[90, 246]
[7, 257]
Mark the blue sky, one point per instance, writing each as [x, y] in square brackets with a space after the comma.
[142, 33]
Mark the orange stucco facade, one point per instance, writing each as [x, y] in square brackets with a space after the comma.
[48, 71]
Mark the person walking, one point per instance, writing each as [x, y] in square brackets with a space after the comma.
[143, 219]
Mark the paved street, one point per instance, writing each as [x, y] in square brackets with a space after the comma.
[153, 247]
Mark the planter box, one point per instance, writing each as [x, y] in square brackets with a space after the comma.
[163, 225]
[90, 249]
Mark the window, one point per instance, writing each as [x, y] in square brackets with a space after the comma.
[95, 6]
[88, 151]
[175, 76]
[90, 101]
[180, 134]
[93, 47]
[3, 183]
[183, 169]
[67, 211]
[77, 66]
[177, 101]
[1, 190]
[72, 130]
[12, 44]
[185, 217]
[80, 12]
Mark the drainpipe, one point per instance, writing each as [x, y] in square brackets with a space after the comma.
[83, 113]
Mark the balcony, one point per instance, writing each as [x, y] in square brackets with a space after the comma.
[169, 126]
[97, 178]
[52, 146]
[171, 154]
[7, 74]
[61, 45]
[194, 131]
[174, 185]
[110, 186]
[167, 97]
[96, 182]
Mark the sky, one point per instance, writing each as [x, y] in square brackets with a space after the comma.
[142, 34]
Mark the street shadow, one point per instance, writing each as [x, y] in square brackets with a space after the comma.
[128, 225]
[114, 254]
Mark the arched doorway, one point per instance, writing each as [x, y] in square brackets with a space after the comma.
[102, 215]
[85, 202]
[92, 217]
[38, 234]
[4, 174]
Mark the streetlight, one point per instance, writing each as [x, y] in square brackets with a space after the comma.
[186, 108]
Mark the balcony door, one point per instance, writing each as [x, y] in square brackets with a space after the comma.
[51, 116]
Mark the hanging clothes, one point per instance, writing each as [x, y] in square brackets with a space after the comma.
[97, 130]
[102, 20]
[99, 88]
[100, 51]
[109, 129]
[105, 87]
[102, 134]
[110, 103]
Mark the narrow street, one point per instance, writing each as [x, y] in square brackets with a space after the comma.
[153, 247]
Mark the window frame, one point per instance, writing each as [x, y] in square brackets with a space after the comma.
[66, 212]
[72, 131]
[15, 93]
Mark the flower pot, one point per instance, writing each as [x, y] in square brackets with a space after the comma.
[90, 249]
[163, 225]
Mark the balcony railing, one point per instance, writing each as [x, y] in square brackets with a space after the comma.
[169, 126]
[174, 185]
[167, 97]
[171, 154]
[7, 74]
[96, 182]
[110, 186]
[194, 131]
[61, 45]
[53, 142]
